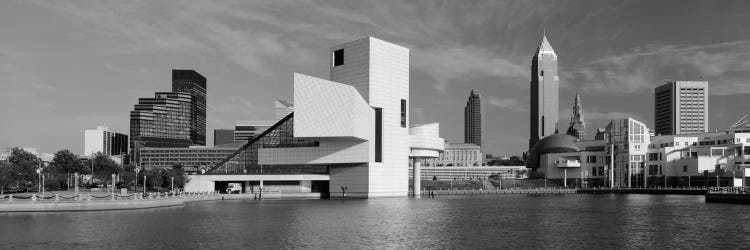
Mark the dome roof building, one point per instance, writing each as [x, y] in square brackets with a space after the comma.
[556, 143]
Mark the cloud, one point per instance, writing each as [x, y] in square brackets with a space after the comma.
[724, 65]
[460, 63]
[508, 103]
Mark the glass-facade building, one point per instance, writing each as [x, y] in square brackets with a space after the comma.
[193, 84]
[473, 126]
[280, 135]
[162, 121]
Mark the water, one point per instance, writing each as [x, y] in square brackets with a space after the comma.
[504, 221]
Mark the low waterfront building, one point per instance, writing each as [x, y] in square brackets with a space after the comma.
[631, 157]
[192, 159]
[470, 172]
[458, 154]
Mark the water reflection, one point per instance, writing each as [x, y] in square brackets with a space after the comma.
[506, 221]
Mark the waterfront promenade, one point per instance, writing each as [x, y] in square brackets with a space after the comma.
[60, 202]
[541, 191]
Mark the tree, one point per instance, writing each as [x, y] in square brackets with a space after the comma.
[67, 162]
[104, 167]
[63, 166]
[21, 171]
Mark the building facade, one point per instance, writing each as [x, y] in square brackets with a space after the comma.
[246, 130]
[192, 159]
[577, 126]
[631, 157]
[469, 172]
[283, 108]
[162, 121]
[347, 136]
[193, 84]
[107, 142]
[473, 119]
[544, 93]
[457, 155]
[223, 136]
[681, 107]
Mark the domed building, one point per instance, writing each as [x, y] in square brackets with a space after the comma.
[568, 159]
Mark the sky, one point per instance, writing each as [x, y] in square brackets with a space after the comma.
[67, 66]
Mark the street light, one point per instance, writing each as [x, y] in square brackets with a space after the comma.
[38, 179]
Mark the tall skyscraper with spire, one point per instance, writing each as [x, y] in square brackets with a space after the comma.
[473, 119]
[544, 93]
[577, 124]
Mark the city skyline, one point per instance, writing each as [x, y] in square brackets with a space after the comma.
[108, 54]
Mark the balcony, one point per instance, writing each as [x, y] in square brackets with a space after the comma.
[569, 164]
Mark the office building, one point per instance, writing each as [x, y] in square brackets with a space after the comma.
[223, 136]
[193, 159]
[194, 84]
[681, 107]
[473, 119]
[458, 154]
[283, 108]
[162, 121]
[544, 93]
[107, 142]
[346, 135]
[246, 130]
[577, 127]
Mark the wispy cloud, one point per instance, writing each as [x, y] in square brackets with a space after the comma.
[455, 65]
[724, 65]
[512, 104]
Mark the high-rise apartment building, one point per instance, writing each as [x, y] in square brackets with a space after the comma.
[283, 108]
[681, 107]
[162, 121]
[194, 84]
[544, 93]
[104, 141]
[577, 127]
[473, 125]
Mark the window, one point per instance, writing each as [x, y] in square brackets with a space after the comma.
[378, 135]
[591, 159]
[684, 169]
[403, 113]
[338, 57]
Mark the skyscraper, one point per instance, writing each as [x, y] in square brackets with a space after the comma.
[681, 107]
[544, 93]
[473, 126]
[194, 84]
[577, 127]
[162, 121]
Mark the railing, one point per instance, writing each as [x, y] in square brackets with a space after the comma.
[110, 197]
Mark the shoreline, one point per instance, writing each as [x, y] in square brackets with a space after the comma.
[21, 205]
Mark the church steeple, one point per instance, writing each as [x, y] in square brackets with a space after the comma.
[577, 124]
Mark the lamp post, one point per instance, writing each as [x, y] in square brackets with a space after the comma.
[38, 179]
[135, 185]
[173, 184]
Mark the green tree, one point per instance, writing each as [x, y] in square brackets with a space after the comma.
[104, 167]
[63, 167]
[21, 172]
[127, 176]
